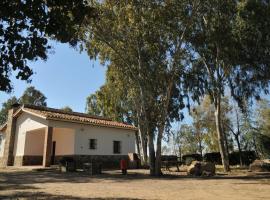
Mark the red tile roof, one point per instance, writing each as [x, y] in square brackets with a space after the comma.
[60, 115]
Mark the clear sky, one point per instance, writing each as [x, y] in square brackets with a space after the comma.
[66, 78]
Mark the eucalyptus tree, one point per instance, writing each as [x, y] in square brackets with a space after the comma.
[145, 42]
[5, 107]
[204, 118]
[112, 100]
[230, 47]
[30, 96]
[33, 96]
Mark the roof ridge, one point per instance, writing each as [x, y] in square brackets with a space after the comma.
[55, 110]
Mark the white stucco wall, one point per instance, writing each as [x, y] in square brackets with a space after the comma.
[71, 138]
[104, 135]
[64, 138]
[25, 123]
[2, 144]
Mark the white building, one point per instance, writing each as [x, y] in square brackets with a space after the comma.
[36, 135]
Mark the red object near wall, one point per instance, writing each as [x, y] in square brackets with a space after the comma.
[123, 164]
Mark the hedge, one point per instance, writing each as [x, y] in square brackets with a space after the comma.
[247, 158]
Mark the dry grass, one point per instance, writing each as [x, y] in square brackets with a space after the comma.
[29, 184]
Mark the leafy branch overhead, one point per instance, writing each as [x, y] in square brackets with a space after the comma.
[26, 26]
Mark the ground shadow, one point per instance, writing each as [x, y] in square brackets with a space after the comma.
[42, 195]
[18, 179]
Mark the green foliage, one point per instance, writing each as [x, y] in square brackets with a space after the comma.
[186, 140]
[67, 109]
[5, 107]
[264, 146]
[33, 96]
[30, 96]
[112, 100]
[204, 117]
[26, 26]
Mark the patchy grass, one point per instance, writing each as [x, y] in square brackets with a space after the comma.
[29, 184]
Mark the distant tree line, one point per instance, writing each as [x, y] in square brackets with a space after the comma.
[30, 96]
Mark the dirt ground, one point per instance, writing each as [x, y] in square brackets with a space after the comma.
[32, 184]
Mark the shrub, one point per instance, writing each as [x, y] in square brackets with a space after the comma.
[213, 157]
[188, 158]
[169, 158]
[247, 158]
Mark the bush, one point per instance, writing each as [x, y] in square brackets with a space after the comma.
[247, 158]
[213, 157]
[169, 158]
[264, 144]
[188, 158]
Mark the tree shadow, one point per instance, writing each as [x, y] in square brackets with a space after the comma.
[21, 178]
[42, 195]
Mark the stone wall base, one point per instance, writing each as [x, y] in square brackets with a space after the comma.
[27, 160]
[107, 161]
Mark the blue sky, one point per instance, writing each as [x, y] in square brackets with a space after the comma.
[66, 78]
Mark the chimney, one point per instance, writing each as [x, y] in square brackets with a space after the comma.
[8, 158]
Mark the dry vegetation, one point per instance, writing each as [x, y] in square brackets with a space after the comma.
[29, 184]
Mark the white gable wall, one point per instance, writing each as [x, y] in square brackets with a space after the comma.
[26, 122]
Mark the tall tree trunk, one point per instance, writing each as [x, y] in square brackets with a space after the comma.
[138, 144]
[152, 156]
[239, 149]
[158, 151]
[226, 145]
[143, 142]
[221, 138]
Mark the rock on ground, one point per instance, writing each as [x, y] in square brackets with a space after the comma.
[198, 168]
[260, 166]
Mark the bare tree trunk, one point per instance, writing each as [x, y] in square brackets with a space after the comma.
[226, 144]
[158, 152]
[239, 149]
[221, 139]
[138, 143]
[152, 156]
[143, 142]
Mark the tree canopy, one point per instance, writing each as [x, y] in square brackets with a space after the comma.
[30, 96]
[33, 96]
[26, 26]
[168, 52]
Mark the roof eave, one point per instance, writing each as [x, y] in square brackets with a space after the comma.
[94, 124]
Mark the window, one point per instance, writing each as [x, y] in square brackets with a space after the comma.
[92, 143]
[116, 147]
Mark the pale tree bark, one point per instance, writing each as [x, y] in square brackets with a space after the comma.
[138, 143]
[152, 156]
[161, 126]
[158, 152]
[143, 146]
[221, 137]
